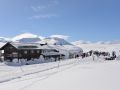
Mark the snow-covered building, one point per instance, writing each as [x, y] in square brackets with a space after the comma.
[30, 46]
[29, 51]
[1, 52]
[64, 47]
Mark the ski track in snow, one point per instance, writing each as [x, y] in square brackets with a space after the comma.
[41, 75]
[33, 77]
[14, 74]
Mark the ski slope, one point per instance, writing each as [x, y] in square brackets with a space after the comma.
[74, 74]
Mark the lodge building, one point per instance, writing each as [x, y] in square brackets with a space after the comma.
[29, 51]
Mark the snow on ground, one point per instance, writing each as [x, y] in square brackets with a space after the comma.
[104, 76]
[74, 74]
[10, 71]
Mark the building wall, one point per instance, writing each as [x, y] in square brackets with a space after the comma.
[10, 52]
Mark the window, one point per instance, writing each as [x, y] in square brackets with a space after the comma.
[11, 47]
[32, 51]
[15, 54]
[38, 51]
[43, 51]
[2, 51]
[25, 52]
[27, 47]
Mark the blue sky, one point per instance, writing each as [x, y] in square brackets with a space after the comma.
[91, 20]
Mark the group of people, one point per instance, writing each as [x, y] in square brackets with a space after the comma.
[112, 57]
[107, 55]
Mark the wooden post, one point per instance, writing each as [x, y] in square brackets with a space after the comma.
[18, 56]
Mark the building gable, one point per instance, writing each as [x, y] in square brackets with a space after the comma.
[8, 44]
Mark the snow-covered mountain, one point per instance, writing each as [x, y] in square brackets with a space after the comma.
[3, 39]
[98, 42]
[63, 46]
[89, 42]
[115, 42]
[32, 38]
[56, 41]
[26, 38]
[81, 42]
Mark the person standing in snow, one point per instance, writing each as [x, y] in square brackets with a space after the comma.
[114, 54]
[93, 56]
[90, 52]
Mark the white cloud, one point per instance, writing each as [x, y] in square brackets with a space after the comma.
[60, 36]
[50, 4]
[39, 8]
[53, 3]
[43, 16]
[44, 7]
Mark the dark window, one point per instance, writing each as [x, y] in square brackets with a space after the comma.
[32, 51]
[27, 47]
[25, 52]
[38, 51]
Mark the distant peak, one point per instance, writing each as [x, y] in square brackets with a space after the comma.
[60, 37]
[56, 40]
[24, 35]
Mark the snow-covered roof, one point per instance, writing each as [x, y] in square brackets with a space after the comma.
[56, 41]
[30, 46]
[67, 48]
[2, 44]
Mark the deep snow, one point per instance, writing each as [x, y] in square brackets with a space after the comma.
[77, 74]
